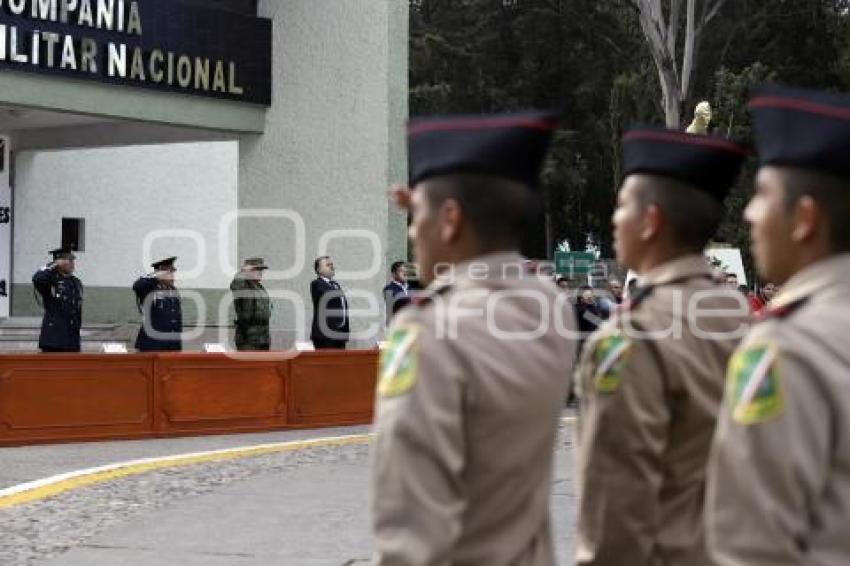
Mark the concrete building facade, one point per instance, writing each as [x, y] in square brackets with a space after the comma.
[153, 173]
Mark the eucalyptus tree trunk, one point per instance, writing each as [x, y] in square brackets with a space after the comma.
[662, 27]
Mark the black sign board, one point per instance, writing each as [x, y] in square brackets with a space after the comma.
[157, 44]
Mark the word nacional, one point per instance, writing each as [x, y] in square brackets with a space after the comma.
[118, 60]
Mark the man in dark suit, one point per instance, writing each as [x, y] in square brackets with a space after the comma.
[62, 297]
[159, 302]
[396, 293]
[330, 308]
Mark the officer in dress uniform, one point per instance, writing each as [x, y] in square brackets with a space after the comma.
[473, 379]
[779, 477]
[253, 307]
[61, 294]
[651, 379]
[159, 302]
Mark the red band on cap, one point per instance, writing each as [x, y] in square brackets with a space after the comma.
[692, 139]
[481, 124]
[801, 106]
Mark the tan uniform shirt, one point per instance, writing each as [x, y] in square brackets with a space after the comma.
[471, 389]
[651, 383]
[779, 478]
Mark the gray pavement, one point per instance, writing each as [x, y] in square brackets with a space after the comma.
[310, 516]
[27, 463]
[307, 508]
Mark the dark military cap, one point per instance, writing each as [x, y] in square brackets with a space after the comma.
[802, 128]
[62, 253]
[256, 263]
[166, 264]
[709, 163]
[512, 146]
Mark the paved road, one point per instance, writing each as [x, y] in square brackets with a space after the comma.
[301, 509]
[27, 463]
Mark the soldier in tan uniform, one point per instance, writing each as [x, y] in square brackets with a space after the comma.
[779, 477]
[476, 371]
[651, 380]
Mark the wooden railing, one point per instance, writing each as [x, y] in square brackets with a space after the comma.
[64, 398]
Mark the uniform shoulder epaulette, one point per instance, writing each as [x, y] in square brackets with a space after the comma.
[780, 312]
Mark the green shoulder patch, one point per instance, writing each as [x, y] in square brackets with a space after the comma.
[610, 357]
[399, 362]
[754, 385]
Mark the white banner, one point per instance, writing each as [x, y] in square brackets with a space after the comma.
[5, 229]
[729, 261]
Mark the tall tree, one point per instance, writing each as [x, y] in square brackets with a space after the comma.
[474, 56]
[590, 58]
[662, 30]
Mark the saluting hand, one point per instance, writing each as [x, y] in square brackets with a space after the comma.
[164, 276]
[400, 195]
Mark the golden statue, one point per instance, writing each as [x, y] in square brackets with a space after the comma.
[702, 118]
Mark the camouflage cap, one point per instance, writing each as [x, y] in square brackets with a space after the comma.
[255, 263]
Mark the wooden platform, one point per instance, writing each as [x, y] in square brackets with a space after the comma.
[68, 398]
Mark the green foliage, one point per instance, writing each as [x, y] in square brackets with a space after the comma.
[589, 57]
[733, 120]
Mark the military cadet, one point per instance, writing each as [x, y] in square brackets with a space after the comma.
[159, 303]
[61, 294]
[253, 307]
[650, 381]
[475, 373]
[779, 477]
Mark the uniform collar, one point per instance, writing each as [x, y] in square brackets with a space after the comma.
[816, 281]
[482, 268]
[690, 266]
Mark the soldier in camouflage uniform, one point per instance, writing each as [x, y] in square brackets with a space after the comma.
[253, 307]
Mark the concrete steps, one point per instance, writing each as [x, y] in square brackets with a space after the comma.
[20, 334]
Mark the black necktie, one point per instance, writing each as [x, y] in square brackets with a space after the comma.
[342, 300]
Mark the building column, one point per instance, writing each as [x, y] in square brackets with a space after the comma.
[316, 181]
[5, 226]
